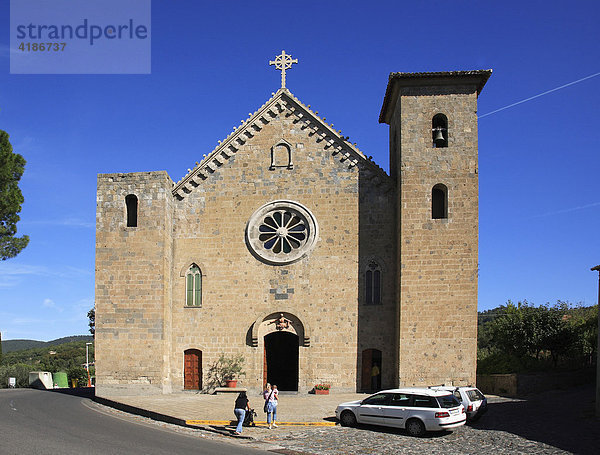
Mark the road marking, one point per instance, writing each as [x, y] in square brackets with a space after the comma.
[260, 424]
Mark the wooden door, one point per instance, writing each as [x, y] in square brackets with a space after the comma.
[192, 372]
[367, 358]
[265, 368]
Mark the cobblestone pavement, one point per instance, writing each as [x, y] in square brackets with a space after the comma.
[555, 422]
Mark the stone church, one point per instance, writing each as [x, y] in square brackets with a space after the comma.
[288, 245]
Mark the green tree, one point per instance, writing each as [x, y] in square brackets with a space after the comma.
[20, 371]
[77, 375]
[584, 321]
[92, 317]
[521, 337]
[12, 166]
[513, 331]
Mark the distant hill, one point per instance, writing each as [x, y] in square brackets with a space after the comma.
[22, 345]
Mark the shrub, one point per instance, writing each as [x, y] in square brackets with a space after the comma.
[226, 368]
[20, 371]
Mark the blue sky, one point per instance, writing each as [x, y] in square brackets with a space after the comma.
[538, 161]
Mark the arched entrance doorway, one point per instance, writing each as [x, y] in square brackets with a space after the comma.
[281, 360]
[371, 370]
[192, 369]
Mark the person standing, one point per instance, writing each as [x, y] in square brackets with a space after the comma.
[269, 396]
[241, 406]
[375, 377]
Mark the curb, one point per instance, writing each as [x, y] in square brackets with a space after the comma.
[139, 411]
[260, 424]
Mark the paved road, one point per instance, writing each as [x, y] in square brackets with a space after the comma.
[47, 422]
[556, 422]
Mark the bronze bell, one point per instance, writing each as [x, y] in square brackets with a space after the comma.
[438, 137]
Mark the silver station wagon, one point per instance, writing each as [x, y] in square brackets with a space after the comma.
[414, 409]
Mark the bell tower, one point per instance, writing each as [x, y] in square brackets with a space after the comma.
[433, 159]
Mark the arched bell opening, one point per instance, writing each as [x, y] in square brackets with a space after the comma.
[439, 130]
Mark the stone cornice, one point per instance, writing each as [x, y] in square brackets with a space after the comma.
[477, 78]
[283, 102]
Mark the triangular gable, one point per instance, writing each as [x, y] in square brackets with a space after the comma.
[281, 102]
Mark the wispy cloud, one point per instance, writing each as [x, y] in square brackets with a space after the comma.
[80, 308]
[29, 321]
[12, 275]
[49, 303]
[572, 209]
[69, 222]
[25, 145]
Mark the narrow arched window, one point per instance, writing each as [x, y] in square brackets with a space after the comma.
[439, 130]
[193, 286]
[131, 201]
[439, 202]
[373, 284]
[281, 155]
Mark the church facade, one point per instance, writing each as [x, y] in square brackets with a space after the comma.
[287, 245]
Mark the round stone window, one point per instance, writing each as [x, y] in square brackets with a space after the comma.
[282, 232]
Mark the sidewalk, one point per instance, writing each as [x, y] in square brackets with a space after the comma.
[193, 408]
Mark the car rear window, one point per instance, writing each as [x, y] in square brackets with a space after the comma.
[424, 401]
[475, 395]
[448, 401]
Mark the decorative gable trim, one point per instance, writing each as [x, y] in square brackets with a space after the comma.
[282, 102]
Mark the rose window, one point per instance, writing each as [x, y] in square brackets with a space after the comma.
[281, 232]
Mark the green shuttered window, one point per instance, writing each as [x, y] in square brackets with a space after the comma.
[193, 287]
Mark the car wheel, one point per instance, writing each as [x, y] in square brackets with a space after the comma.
[415, 427]
[347, 419]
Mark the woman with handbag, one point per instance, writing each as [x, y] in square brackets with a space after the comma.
[270, 396]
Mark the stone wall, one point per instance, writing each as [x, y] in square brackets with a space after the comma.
[437, 257]
[133, 267]
[377, 242]
[526, 383]
[239, 290]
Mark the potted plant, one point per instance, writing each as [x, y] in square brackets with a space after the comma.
[228, 369]
[322, 389]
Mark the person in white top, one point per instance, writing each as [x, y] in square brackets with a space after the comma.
[271, 395]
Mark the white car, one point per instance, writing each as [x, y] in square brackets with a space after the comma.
[472, 399]
[417, 410]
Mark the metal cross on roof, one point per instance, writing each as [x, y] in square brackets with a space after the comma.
[283, 62]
